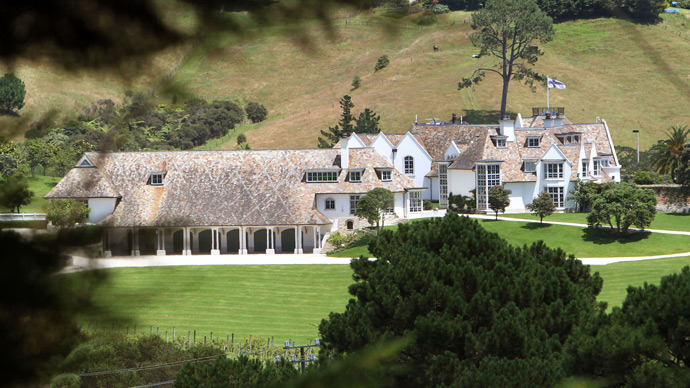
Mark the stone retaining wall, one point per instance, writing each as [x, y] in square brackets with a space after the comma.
[670, 198]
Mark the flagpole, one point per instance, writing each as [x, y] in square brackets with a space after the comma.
[547, 92]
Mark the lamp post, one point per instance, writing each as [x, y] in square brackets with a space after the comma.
[302, 359]
[637, 131]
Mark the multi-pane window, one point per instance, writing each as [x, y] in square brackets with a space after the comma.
[500, 143]
[354, 200]
[157, 179]
[554, 170]
[409, 165]
[585, 168]
[385, 175]
[533, 142]
[355, 176]
[557, 196]
[330, 203]
[597, 167]
[530, 166]
[488, 175]
[322, 176]
[415, 201]
[443, 185]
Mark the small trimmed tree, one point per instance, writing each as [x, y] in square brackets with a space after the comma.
[382, 62]
[12, 92]
[15, 193]
[356, 82]
[256, 112]
[499, 199]
[373, 205]
[66, 213]
[623, 205]
[542, 206]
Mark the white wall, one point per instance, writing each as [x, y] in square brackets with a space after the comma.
[408, 146]
[522, 194]
[342, 205]
[383, 147]
[100, 208]
[460, 182]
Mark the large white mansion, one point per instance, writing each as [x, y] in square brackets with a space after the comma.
[239, 202]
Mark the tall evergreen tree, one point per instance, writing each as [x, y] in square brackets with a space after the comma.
[478, 311]
[12, 92]
[368, 122]
[344, 126]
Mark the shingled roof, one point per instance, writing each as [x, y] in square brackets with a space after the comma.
[220, 188]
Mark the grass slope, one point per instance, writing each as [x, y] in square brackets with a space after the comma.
[663, 221]
[285, 302]
[635, 76]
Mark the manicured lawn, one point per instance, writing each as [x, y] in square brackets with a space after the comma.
[618, 276]
[583, 242]
[664, 221]
[285, 302]
[40, 185]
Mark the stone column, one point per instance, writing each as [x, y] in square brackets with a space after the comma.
[160, 234]
[270, 244]
[243, 241]
[250, 242]
[106, 243]
[186, 249]
[279, 241]
[298, 240]
[317, 239]
[195, 242]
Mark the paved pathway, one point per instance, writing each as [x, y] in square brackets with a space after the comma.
[82, 263]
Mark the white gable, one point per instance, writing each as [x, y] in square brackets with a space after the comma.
[554, 153]
[383, 146]
[452, 152]
[355, 142]
[85, 162]
[518, 121]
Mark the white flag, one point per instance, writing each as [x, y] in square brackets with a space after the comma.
[556, 84]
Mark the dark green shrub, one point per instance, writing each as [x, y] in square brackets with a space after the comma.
[256, 112]
[425, 20]
[382, 62]
[439, 9]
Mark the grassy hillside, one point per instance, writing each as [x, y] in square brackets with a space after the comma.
[635, 76]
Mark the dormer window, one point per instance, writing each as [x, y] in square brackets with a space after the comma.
[322, 176]
[533, 142]
[356, 176]
[386, 175]
[500, 142]
[530, 166]
[157, 179]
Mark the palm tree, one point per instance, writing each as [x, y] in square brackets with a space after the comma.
[666, 153]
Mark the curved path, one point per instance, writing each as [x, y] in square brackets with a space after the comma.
[82, 263]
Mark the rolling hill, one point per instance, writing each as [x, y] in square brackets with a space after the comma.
[634, 76]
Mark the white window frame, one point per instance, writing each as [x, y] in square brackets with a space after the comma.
[557, 194]
[356, 176]
[322, 176]
[553, 170]
[488, 175]
[408, 165]
[416, 201]
[532, 163]
[596, 169]
[531, 140]
[157, 178]
[354, 200]
[443, 185]
[585, 168]
[330, 201]
[386, 175]
[501, 142]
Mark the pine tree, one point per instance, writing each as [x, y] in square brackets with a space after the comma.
[344, 126]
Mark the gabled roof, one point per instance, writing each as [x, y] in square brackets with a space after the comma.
[216, 188]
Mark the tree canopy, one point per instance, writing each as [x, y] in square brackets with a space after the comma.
[542, 206]
[374, 205]
[12, 92]
[67, 213]
[499, 199]
[14, 192]
[622, 205]
[666, 153]
[479, 312]
[509, 30]
[367, 122]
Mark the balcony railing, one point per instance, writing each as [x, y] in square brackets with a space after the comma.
[554, 109]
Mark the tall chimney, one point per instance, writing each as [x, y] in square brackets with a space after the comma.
[344, 152]
[455, 118]
[508, 128]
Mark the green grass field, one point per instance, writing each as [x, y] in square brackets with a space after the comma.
[583, 242]
[285, 302]
[40, 185]
[663, 221]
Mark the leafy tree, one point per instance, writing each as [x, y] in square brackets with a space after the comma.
[367, 122]
[38, 153]
[12, 92]
[478, 311]
[66, 213]
[344, 126]
[584, 194]
[356, 82]
[382, 62]
[499, 199]
[645, 10]
[641, 344]
[256, 112]
[241, 372]
[241, 138]
[509, 30]
[666, 153]
[10, 158]
[15, 193]
[623, 205]
[542, 206]
[373, 206]
[683, 171]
